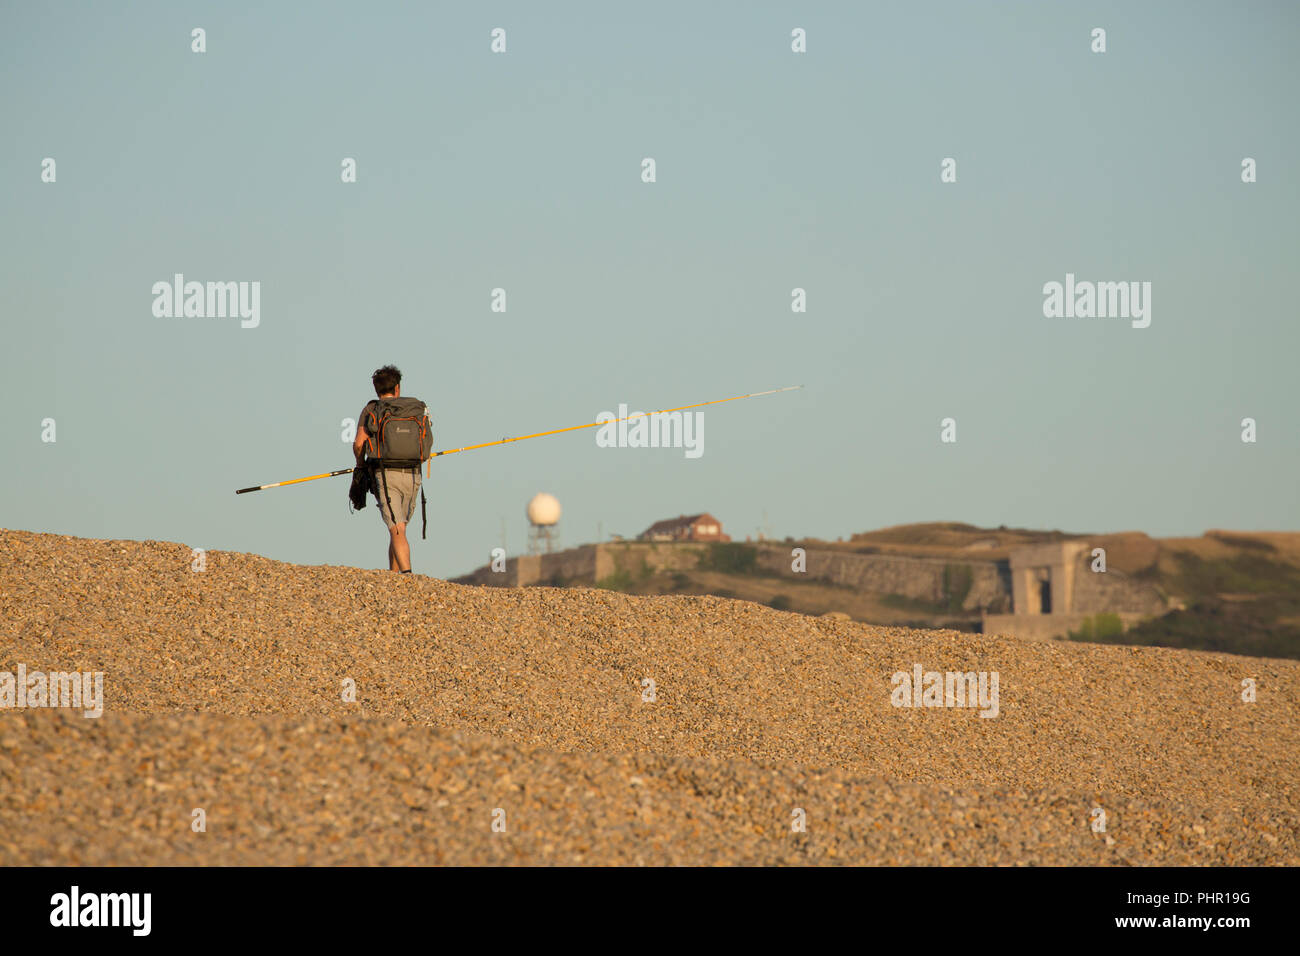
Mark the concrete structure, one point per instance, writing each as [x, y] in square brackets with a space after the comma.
[701, 527]
[1054, 589]
[1042, 577]
[587, 564]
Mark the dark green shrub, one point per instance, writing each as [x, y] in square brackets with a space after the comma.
[957, 580]
[1098, 628]
[618, 581]
[731, 558]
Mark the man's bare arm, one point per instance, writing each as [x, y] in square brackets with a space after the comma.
[359, 446]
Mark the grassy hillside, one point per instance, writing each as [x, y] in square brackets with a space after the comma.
[1240, 591]
[1242, 596]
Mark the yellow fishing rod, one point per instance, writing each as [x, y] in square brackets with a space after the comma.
[553, 431]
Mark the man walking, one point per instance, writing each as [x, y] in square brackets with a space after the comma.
[394, 438]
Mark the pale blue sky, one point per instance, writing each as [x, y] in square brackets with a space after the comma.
[775, 170]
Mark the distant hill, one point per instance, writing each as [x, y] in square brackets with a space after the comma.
[1236, 592]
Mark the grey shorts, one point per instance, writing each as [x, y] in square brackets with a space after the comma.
[403, 491]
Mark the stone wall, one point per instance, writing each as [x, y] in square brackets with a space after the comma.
[587, 564]
[919, 578]
[654, 555]
[1096, 591]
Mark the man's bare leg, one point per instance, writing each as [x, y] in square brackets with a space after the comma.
[399, 549]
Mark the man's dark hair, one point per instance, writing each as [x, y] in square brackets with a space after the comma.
[386, 379]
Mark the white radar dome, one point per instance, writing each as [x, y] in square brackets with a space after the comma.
[544, 509]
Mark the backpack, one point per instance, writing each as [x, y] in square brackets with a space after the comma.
[403, 436]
